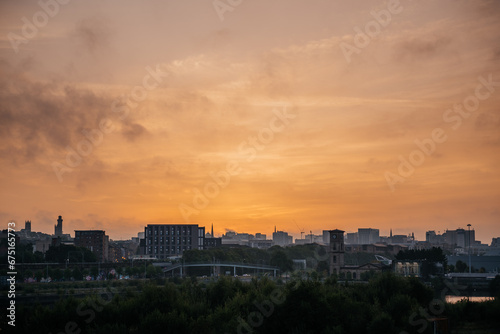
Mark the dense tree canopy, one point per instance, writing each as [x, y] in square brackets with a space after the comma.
[387, 304]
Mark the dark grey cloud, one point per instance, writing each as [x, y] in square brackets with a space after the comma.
[39, 119]
[93, 34]
[417, 48]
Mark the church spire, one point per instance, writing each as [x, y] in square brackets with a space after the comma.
[212, 233]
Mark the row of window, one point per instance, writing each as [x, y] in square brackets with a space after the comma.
[169, 231]
[168, 240]
[169, 250]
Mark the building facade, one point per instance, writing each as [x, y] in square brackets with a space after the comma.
[94, 240]
[368, 236]
[282, 239]
[337, 260]
[168, 240]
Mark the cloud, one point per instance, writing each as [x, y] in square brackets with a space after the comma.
[133, 131]
[417, 48]
[93, 34]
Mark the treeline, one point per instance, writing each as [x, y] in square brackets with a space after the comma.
[60, 254]
[387, 304]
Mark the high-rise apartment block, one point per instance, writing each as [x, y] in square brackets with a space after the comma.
[368, 236]
[167, 240]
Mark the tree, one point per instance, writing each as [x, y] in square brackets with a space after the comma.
[495, 286]
[63, 252]
[461, 266]
[150, 271]
[280, 260]
[77, 274]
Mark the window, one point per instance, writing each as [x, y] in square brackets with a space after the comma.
[334, 259]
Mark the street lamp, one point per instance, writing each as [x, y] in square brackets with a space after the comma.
[470, 268]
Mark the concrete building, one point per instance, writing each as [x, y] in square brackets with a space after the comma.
[368, 236]
[167, 240]
[212, 242]
[260, 236]
[460, 237]
[495, 242]
[281, 238]
[94, 240]
[326, 237]
[259, 243]
[433, 238]
[352, 238]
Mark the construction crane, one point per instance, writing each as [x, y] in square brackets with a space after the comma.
[301, 230]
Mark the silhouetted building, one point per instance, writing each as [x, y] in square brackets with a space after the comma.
[337, 260]
[166, 240]
[352, 238]
[337, 251]
[495, 242]
[211, 242]
[368, 236]
[27, 226]
[58, 229]
[460, 237]
[95, 240]
[260, 236]
[281, 238]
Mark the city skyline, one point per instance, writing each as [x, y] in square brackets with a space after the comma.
[334, 115]
[302, 235]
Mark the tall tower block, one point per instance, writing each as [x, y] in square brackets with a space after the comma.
[337, 251]
[58, 227]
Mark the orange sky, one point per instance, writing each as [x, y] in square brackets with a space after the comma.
[172, 92]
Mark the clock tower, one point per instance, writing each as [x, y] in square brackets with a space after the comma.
[336, 251]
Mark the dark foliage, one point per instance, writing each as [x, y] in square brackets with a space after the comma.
[387, 304]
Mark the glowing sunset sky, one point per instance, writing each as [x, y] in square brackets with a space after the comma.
[174, 94]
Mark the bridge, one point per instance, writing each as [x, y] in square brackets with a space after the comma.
[168, 267]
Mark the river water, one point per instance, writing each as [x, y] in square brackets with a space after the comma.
[456, 299]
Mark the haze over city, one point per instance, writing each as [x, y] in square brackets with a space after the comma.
[287, 114]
